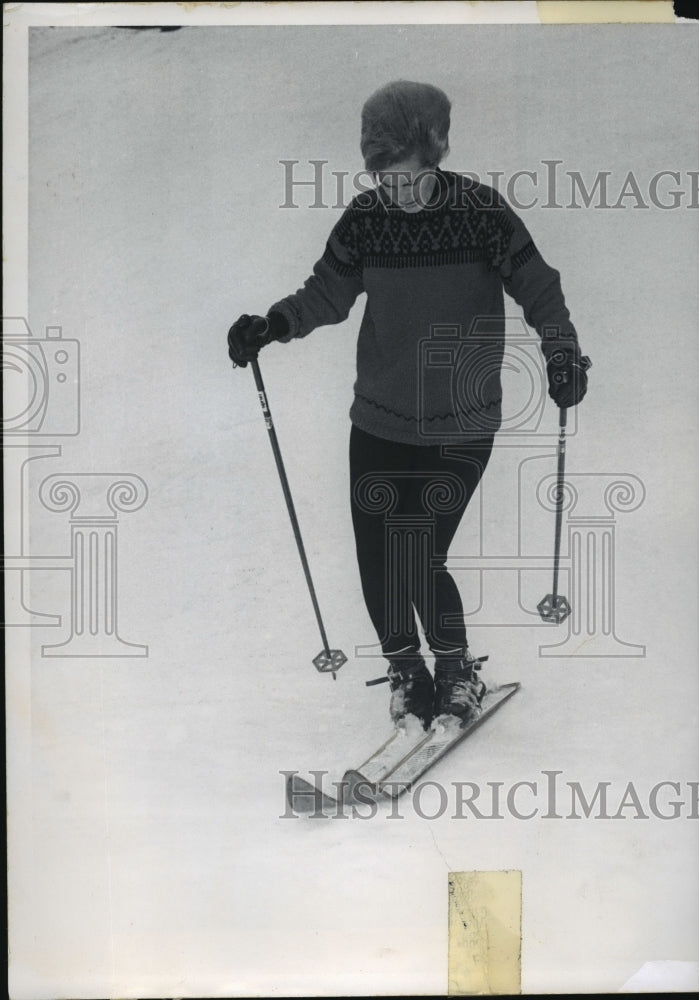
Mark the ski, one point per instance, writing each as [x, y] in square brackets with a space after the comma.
[405, 757]
[397, 749]
[399, 746]
[397, 764]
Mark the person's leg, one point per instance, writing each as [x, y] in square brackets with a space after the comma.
[381, 480]
[407, 503]
[376, 489]
[454, 477]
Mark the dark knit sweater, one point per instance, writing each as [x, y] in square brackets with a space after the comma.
[431, 341]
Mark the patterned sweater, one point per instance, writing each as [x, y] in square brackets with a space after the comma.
[432, 338]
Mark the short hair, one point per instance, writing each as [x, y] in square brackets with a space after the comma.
[404, 119]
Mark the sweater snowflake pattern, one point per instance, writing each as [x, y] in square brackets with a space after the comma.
[432, 338]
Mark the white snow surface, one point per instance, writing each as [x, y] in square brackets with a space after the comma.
[149, 853]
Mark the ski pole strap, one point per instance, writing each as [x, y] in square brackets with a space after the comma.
[451, 667]
[404, 671]
[377, 680]
[474, 664]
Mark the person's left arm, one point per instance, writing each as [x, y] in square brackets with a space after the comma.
[536, 287]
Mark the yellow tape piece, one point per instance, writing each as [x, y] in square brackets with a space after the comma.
[605, 11]
[485, 933]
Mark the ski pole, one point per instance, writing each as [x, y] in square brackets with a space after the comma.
[554, 607]
[328, 660]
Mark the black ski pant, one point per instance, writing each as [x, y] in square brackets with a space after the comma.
[407, 502]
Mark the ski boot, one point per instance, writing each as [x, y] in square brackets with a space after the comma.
[412, 690]
[458, 689]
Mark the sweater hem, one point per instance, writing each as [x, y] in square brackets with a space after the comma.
[384, 423]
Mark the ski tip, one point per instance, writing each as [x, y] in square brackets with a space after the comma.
[352, 775]
[357, 789]
[510, 686]
[303, 797]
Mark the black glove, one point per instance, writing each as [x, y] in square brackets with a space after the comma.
[567, 374]
[250, 334]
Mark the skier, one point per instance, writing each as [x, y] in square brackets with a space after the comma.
[433, 251]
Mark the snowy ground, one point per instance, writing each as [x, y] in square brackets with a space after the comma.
[155, 861]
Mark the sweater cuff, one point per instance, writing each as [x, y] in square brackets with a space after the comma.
[278, 326]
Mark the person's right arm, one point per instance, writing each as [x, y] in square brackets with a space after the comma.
[332, 289]
[325, 298]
